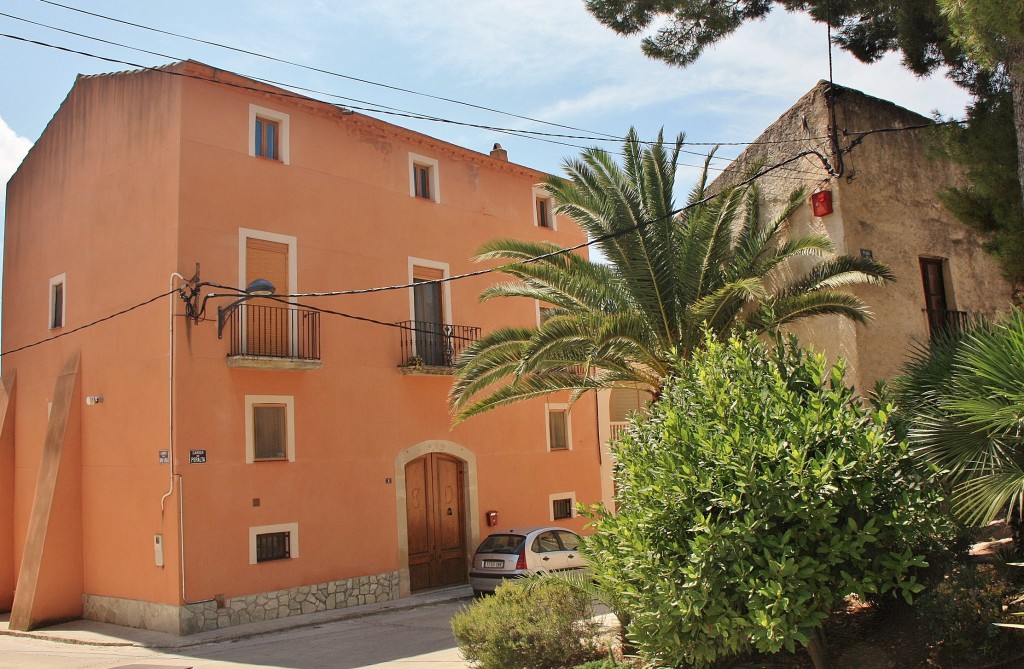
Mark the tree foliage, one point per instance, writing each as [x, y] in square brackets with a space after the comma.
[963, 398]
[718, 264]
[980, 41]
[866, 28]
[989, 201]
[754, 496]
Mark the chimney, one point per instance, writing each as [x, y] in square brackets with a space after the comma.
[499, 153]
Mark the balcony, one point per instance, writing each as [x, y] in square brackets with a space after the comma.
[273, 337]
[940, 320]
[433, 348]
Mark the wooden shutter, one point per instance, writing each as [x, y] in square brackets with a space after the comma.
[267, 321]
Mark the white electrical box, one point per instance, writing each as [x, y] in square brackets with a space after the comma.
[158, 549]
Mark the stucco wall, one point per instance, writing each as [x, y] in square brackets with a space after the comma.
[174, 196]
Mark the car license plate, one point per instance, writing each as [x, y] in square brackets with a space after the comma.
[494, 564]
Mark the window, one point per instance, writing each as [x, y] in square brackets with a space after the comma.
[266, 327]
[268, 134]
[544, 312]
[56, 319]
[273, 546]
[558, 427]
[423, 178]
[273, 542]
[562, 506]
[421, 174]
[546, 542]
[430, 312]
[269, 428]
[543, 211]
[270, 431]
[938, 306]
[570, 541]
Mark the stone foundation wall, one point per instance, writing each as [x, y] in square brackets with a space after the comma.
[206, 616]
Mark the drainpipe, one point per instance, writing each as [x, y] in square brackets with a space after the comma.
[170, 452]
[170, 396]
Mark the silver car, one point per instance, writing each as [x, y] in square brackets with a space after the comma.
[516, 553]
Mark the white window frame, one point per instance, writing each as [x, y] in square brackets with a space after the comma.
[293, 272]
[283, 127]
[435, 181]
[250, 438]
[549, 408]
[292, 243]
[541, 194]
[59, 280]
[446, 293]
[561, 495]
[540, 307]
[293, 539]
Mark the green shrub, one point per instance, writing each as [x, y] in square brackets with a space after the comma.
[754, 496]
[549, 626]
[961, 612]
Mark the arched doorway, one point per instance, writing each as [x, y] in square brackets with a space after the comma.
[435, 507]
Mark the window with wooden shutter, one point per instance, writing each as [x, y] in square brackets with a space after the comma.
[267, 321]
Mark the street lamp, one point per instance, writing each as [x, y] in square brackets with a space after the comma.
[256, 288]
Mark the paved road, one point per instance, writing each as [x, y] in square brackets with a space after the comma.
[417, 638]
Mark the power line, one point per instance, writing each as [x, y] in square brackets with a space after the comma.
[323, 71]
[89, 325]
[558, 252]
[197, 315]
[526, 134]
[593, 135]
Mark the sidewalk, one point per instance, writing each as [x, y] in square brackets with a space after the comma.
[91, 633]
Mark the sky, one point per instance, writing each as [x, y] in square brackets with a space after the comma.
[547, 60]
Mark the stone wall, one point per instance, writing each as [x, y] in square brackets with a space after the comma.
[206, 616]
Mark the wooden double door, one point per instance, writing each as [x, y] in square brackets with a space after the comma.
[436, 517]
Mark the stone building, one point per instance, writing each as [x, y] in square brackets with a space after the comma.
[868, 163]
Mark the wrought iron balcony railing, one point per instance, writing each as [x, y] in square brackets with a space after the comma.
[274, 332]
[434, 344]
[940, 320]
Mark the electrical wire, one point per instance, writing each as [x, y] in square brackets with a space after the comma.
[558, 252]
[526, 134]
[286, 298]
[89, 325]
[593, 135]
[323, 71]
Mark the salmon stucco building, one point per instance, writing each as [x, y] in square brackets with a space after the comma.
[182, 455]
[873, 190]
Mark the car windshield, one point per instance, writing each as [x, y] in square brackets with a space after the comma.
[502, 543]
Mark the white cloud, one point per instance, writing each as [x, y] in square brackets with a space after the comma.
[12, 151]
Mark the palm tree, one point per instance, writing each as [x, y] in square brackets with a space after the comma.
[962, 397]
[716, 264]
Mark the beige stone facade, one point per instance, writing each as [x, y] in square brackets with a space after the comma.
[217, 614]
[884, 189]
